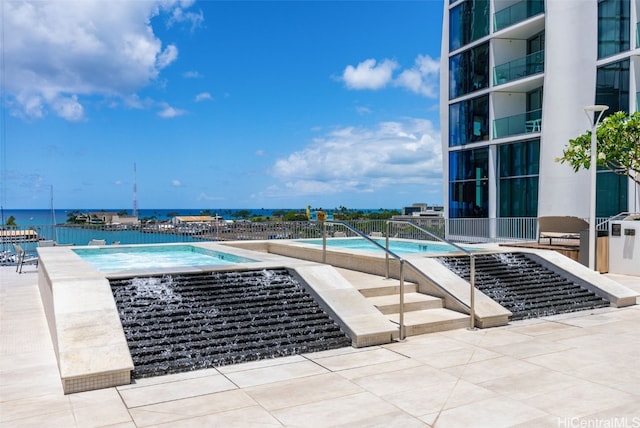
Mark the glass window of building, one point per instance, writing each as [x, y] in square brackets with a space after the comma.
[469, 121]
[469, 71]
[612, 89]
[468, 21]
[518, 169]
[613, 27]
[612, 86]
[611, 193]
[469, 183]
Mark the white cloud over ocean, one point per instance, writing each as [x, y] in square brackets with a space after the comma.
[60, 53]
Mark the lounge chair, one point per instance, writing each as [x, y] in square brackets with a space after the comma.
[23, 258]
[376, 235]
[339, 235]
[98, 242]
[560, 227]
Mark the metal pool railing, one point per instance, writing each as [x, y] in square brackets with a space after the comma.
[472, 263]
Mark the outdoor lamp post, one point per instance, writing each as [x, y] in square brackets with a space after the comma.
[593, 170]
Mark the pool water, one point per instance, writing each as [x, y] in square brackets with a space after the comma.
[398, 247]
[156, 256]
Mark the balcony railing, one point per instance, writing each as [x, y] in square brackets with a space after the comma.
[517, 13]
[525, 123]
[519, 68]
[511, 229]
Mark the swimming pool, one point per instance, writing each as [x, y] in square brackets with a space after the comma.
[156, 256]
[398, 247]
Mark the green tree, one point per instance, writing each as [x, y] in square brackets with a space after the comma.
[11, 221]
[242, 214]
[618, 146]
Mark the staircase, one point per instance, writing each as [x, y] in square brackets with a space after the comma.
[422, 313]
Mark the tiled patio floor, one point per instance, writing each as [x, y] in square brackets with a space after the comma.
[561, 371]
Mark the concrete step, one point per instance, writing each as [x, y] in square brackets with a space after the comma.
[431, 321]
[373, 285]
[422, 313]
[389, 304]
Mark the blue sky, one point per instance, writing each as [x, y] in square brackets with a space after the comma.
[264, 104]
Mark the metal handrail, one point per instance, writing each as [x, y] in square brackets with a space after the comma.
[387, 254]
[472, 263]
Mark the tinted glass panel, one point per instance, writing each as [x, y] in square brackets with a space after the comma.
[612, 87]
[613, 27]
[469, 71]
[468, 21]
[469, 121]
[611, 194]
[468, 183]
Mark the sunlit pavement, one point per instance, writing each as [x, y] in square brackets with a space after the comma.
[562, 371]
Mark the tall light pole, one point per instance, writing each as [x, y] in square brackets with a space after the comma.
[593, 170]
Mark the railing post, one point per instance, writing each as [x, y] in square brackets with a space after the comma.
[324, 242]
[401, 314]
[472, 286]
[386, 254]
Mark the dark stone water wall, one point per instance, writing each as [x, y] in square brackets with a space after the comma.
[183, 322]
[524, 286]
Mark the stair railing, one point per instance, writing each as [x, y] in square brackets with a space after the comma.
[388, 253]
[472, 262]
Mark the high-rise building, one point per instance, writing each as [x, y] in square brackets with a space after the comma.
[515, 79]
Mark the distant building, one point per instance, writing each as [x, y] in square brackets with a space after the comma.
[423, 210]
[108, 218]
[194, 219]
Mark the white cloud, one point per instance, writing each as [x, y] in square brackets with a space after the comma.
[204, 197]
[167, 56]
[203, 96]
[353, 159]
[169, 112]
[191, 75]
[368, 75]
[176, 183]
[59, 53]
[422, 78]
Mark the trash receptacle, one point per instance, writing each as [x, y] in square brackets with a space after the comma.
[602, 250]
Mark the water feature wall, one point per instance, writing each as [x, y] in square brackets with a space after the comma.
[182, 322]
[524, 286]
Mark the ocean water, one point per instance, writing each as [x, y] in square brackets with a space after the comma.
[26, 218]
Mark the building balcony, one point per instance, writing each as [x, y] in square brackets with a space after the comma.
[524, 123]
[519, 68]
[517, 12]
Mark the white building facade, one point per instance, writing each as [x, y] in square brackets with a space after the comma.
[515, 78]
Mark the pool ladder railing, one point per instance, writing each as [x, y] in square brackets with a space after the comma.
[402, 262]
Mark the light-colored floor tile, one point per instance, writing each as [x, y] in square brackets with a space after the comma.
[175, 377]
[178, 410]
[580, 400]
[152, 394]
[523, 385]
[240, 418]
[298, 392]
[354, 410]
[404, 380]
[482, 371]
[495, 413]
[457, 357]
[277, 373]
[261, 364]
[434, 398]
[12, 411]
[99, 408]
[376, 369]
[530, 348]
[358, 359]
